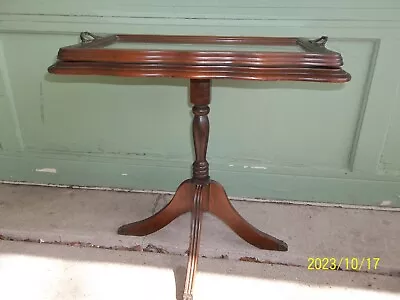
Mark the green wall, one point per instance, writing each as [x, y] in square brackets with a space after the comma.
[300, 141]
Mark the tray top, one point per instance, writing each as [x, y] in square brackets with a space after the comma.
[256, 58]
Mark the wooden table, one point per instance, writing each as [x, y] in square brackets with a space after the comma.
[201, 59]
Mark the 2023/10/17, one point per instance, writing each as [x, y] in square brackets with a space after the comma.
[343, 263]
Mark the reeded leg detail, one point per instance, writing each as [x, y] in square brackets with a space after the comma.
[194, 245]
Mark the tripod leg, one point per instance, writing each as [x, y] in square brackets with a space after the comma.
[220, 206]
[181, 203]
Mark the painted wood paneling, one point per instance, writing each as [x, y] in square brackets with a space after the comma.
[300, 141]
[10, 134]
[389, 161]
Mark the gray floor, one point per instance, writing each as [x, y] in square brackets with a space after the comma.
[67, 231]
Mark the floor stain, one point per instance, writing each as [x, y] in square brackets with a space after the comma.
[155, 249]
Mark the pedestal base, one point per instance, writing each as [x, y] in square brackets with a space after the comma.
[198, 198]
[200, 194]
[213, 199]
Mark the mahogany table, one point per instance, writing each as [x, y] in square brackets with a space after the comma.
[201, 59]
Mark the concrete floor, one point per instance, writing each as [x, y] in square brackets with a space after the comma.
[67, 233]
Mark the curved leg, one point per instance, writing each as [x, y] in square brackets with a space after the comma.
[220, 206]
[195, 231]
[181, 203]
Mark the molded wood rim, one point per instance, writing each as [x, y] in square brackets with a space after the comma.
[315, 53]
[90, 57]
[201, 72]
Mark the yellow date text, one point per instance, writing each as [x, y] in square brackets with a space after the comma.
[343, 263]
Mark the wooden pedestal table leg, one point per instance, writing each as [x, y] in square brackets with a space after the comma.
[200, 98]
[181, 203]
[220, 206]
[199, 194]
